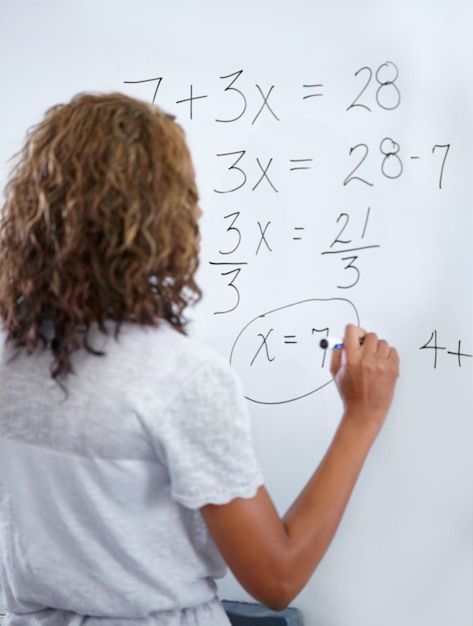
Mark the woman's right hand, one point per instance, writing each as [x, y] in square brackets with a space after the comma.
[365, 371]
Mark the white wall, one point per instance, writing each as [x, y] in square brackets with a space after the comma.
[403, 553]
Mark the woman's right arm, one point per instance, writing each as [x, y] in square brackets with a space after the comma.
[273, 557]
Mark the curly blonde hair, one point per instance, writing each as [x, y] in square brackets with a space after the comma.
[99, 223]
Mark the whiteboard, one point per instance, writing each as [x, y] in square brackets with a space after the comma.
[333, 148]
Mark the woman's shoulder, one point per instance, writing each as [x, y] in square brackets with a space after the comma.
[164, 346]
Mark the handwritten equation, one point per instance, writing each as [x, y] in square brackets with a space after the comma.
[242, 170]
[283, 345]
[384, 79]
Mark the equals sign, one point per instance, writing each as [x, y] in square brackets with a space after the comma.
[313, 95]
[301, 166]
[290, 339]
[298, 228]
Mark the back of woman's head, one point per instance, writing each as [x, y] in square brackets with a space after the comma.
[99, 223]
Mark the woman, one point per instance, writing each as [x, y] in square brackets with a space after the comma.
[127, 468]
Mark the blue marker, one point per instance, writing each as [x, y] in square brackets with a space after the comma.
[333, 343]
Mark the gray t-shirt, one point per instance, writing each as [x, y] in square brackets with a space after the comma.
[100, 490]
